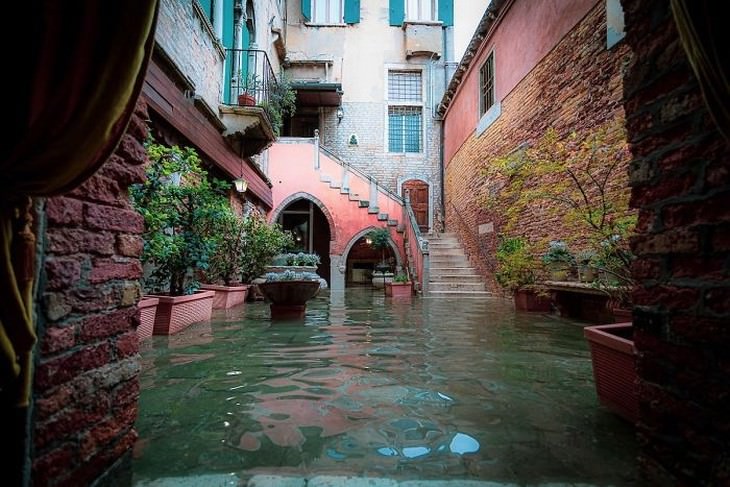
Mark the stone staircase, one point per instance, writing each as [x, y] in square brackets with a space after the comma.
[450, 273]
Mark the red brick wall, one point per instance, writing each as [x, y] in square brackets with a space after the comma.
[576, 87]
[681, 185]
[86, 388]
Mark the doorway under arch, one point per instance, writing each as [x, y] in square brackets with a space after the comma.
[361, 258]
[310, 229]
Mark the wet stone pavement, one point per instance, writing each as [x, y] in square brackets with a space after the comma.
[371, 392]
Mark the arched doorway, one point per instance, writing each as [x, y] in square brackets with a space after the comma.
[418, 191]
[360, 259]
[310, 229]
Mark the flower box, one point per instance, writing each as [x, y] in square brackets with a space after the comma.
[399, 289]
[530, 300]
[614, 368]
[147, 307]
[227, 296]
[175, 313]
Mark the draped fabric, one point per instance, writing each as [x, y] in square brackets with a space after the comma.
[701, 27]
[76, 75]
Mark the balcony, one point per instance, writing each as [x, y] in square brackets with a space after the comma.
[423, 38]
[248, 80]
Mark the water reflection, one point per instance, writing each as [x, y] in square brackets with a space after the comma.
[426, 389]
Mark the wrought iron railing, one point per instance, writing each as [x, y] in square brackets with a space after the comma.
[417, 252]
[484, 261]
[249, 77]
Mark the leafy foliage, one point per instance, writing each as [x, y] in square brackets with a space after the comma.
[517, 266]
[229, 234]
[261, 243]
[380, 240]
[578, 180]
[401, 277]
[301, 259]
[281, 102]
[557, 253]
[179, 205]
[289, 275]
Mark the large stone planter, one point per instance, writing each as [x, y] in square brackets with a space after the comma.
[289, 298]
[399, 290]
[380, 279]
[614, 368]
[147, 307]
[227, 296]
[530, 300]
[175, 313]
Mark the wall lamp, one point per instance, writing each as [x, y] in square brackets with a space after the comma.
[340, 114]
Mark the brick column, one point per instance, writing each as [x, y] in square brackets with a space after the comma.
[86, 379]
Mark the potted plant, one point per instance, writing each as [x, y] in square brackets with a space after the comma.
[223, 275]
[263, 241]
[289, 292]
[558, 260]
[379, 239]
[178, 202]
[585, 262]
[249, 87]
[517, 273]
[400, 287]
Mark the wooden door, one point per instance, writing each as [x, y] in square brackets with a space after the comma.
[418, 191]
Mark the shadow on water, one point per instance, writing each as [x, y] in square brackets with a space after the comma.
[428, 389]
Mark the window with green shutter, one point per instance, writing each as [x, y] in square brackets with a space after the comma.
[331, 11]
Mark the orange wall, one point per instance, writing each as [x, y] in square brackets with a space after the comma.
[524, 35]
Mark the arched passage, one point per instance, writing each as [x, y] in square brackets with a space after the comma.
[360, 258]
[310, 224]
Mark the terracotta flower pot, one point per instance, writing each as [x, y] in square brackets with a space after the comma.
[227, 296]
[289, 298]
[147, 307]
[614, 368]
[175, 313]
[399, 289]
[246, 100]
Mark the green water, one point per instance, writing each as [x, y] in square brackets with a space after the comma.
[433, 389]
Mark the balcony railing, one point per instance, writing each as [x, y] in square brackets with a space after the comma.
[248, 72]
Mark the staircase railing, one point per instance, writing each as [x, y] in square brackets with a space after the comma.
[357, 171]
[485, 261]
[417, 253]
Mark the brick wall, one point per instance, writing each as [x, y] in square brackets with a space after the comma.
[85, 385]
[181, 33]
[576, 87]
[681, 186]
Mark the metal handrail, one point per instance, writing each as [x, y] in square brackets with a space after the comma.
[352, 168]
[485, 257]
[421, 246]
[248, 72]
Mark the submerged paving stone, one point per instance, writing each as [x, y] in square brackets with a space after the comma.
[222, 480]
[338, 481]
[275, 481]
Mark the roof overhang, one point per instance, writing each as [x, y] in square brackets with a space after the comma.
[318, 94]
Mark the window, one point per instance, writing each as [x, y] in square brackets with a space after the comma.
[327, 12]
[421, 10]
[405, 112]
[486, 85]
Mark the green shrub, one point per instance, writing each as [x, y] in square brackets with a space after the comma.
[516, 266]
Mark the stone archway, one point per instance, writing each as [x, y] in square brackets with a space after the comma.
[362, 233]
[339, 262]
[274, 215]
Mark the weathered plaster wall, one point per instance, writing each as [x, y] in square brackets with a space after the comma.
[526, 34]
[680, 181]
[85, 386]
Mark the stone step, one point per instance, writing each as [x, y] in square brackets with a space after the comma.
[454, 277]
[392, 223]
[445, 252]
[450, 261]
[363, 203]
[344, 190]
[455, 286]
[353, 197]
[382, 217]
[324, 178]
[460, 294]
[373, 210]
[335, 184]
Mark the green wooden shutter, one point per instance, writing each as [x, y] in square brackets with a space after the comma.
[352, 11]
[397, 12]
[446, 12]
[207, 7]
[307, 9]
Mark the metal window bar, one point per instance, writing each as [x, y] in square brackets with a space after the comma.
[404, 86]
[405, 126]
[248, 71]
[486, 85]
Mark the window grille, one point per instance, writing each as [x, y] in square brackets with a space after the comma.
[486, 85]
[405, 126]
[404, 86]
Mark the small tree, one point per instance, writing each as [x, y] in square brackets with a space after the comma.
[516, 265]
[229, 233]
[261, 242]
[179, 205]
[380, 240]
